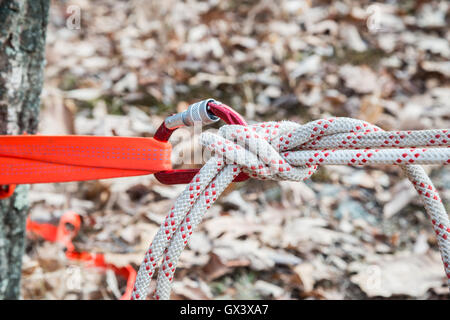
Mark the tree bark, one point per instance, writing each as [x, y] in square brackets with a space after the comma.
[22, 43]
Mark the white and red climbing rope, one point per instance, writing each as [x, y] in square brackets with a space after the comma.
[290, 151]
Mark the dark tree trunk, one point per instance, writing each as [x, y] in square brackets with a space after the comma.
[22, 41]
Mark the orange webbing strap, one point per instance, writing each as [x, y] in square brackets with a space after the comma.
[45, 159]
[64, 232]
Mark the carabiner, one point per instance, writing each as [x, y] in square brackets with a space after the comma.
[206, 111]
[7, 190]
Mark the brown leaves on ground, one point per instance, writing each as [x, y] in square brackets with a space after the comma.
[347, 233]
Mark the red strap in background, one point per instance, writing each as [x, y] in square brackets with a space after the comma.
[67, 229]
[46, 159]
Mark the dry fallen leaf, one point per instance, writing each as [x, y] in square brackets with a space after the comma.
[189, 289]
[404, 273]
[361, 79]
[303, 230]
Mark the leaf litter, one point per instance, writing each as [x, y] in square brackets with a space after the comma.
[347, 233]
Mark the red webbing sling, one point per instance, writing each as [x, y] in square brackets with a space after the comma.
[68, 227]
[44, 159]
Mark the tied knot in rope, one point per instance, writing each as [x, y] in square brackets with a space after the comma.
[256, 149]
[290, 151]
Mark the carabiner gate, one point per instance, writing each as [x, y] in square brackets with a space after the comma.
[207, 112]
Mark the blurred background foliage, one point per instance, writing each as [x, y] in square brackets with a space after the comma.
[348, 233]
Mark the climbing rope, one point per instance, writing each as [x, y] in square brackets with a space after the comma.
[290, 151]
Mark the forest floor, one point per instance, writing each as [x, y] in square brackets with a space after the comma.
[347, 233]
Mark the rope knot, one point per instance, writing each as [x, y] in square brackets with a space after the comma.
[260, 150]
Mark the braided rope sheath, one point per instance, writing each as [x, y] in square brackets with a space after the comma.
[289, 151]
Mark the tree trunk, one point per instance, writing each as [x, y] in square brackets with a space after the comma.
[22, 42]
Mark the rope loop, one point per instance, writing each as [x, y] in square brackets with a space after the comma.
[289, 151]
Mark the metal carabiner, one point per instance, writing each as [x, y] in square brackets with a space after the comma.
[7, 190]
[206, 111]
